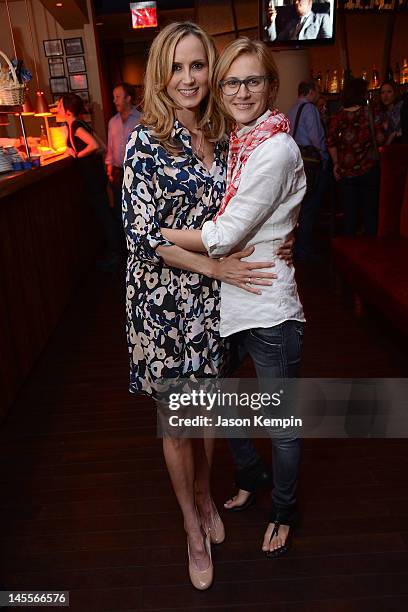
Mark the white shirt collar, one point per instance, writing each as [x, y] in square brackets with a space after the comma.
[248, 128]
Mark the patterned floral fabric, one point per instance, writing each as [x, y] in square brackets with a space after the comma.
[349, 132]
[172, 314]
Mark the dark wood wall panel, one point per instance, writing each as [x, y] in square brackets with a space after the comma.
[48, 238]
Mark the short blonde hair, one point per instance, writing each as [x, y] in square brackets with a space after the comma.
[243, 46]
[159, 110]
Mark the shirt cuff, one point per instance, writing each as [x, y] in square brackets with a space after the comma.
[210, 238]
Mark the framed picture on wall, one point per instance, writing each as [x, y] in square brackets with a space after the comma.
[53, 47]
[56, 66]
[75, 64]
[73, 46]
[78, 82]
[84, 95]
[59, 85]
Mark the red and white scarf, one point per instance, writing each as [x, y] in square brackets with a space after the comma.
[241, 147]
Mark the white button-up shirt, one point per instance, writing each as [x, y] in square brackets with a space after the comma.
[262, 214]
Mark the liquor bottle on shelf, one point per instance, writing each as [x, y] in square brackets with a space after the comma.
[334, 83]
[404, 72]
[389, 74]
[327, 81]
[364, 74]
[343, 79]
[375, 78]
[43, 138]
[319, 79]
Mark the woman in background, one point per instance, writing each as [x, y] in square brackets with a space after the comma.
[355, 133]
[85, 148]
[390, 106]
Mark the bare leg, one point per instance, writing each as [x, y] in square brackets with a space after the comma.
[178, 453]
[203, 454]
[210, 519]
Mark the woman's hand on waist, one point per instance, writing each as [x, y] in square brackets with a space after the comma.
[243, 274]
[285, 251]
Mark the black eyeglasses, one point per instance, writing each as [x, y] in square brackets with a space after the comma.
[254, 84]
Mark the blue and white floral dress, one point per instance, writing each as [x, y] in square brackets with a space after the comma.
[172, 314]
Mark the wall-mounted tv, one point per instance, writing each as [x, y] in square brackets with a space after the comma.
[144, 15]
[297, 23]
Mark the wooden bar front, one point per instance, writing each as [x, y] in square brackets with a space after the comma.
[48, 238]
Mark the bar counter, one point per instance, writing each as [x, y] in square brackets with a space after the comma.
[48, 239]
[15, 181]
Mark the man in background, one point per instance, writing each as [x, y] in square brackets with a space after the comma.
[309, 132]
[119, 129]
[306, 25]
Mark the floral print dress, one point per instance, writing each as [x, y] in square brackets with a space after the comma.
[172, 314]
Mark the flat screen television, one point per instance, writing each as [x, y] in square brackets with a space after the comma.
[297, 23]
[144, 15]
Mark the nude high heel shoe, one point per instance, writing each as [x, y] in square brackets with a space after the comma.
[203, 579]
[216, 530]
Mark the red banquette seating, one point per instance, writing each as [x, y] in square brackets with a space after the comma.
[377, 267]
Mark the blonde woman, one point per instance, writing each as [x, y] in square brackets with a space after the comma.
[174, 176]
[265, 187]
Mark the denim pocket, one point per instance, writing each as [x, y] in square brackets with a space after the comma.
[268, 335]
[266, 347]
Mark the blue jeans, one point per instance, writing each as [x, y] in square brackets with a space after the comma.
[275, 352]
[361, 193]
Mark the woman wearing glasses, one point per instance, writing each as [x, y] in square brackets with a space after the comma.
[265, 186]
[174, 176]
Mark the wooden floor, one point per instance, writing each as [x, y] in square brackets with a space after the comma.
[86, 504]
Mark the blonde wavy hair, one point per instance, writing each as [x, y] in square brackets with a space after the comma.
[238, 47]
[159, 110]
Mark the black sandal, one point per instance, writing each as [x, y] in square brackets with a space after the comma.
[251, 479]
[289, 517]
[282, 550]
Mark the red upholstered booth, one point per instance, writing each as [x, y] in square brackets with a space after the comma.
[377, 267]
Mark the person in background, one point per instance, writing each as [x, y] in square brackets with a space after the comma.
[306, 25]
[355, 133]
[391, 108]
[86, 149]
[309, 132]
[119, 128]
